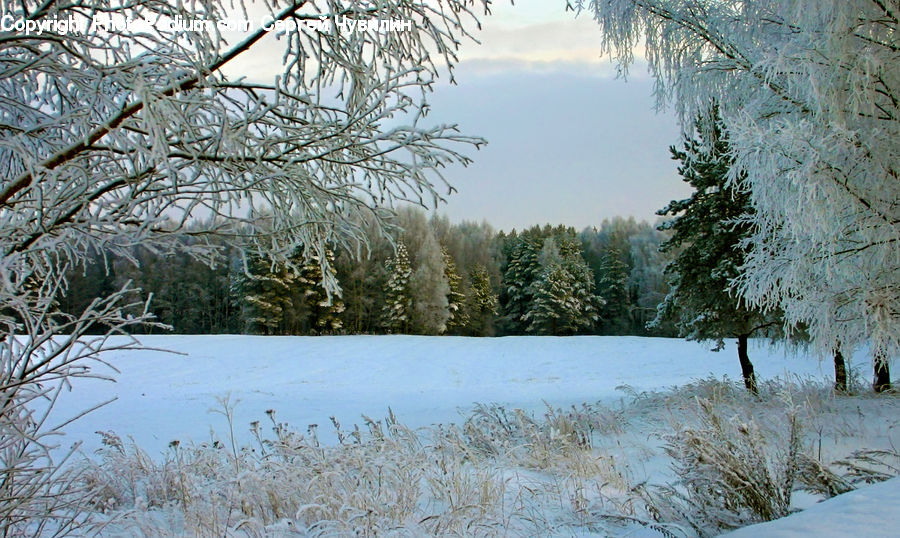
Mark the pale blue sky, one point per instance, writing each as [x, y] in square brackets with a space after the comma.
[568, 142]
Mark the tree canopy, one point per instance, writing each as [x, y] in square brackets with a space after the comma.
[809, 93]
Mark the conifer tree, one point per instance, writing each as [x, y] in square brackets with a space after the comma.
[456, 300]
[708, 230]
[482, 303]
[612, 286]
[267, 295]
[563, 301]
[321, 312]
[397, 310]
[522, 269]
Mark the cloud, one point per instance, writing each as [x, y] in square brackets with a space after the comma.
[480, 67]
[566, 45]
[570, 40]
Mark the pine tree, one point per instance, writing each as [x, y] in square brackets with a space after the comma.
[397, 310]
[612, 286]
[456, 300]
[321, 312]
[482, 303]
[563, 301]
[708, 230]
[266, 292]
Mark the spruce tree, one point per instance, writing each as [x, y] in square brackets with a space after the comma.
[456, 300]
[708, 230]
[482, 303]
[563, 301]
[612, 286]
[521, 270]
[397, 310]
[267, 296]
[321, 313]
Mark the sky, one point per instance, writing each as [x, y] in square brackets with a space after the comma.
[568, 141]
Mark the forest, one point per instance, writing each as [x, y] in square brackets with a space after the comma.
[431, 277]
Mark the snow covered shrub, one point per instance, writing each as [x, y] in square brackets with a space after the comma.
[465, 499]
[562, 441]
[731, 471]
[125, 476]
[871, 466]
[735, 459]
[37, 494]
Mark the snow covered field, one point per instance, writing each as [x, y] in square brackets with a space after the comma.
[530, 480]
[161, 397]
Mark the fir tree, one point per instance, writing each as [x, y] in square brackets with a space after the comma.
[397, 310]
[482, 303]
[708, 230]
[267, 295]
[321, 312]
[563, 300]
[456, 300]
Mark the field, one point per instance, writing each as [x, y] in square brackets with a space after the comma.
[509, 436]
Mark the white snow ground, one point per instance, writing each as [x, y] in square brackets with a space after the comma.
[161, 397]
[871, 512]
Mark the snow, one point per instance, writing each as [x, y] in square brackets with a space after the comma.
[161, 396]
[871, 511]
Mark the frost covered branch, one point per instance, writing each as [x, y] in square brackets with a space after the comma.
[808, 92]
[112, 137]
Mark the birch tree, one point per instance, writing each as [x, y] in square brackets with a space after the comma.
[113, 136]
[809, 92]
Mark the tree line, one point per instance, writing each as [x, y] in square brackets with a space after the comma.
[430, 277]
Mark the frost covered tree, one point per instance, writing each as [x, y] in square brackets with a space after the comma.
[482, 303]
[114, 136]
[809, 93]
[709, 229]
[396, 313]
[563, 301]
[429, 288]
[319, 310]
[456, 301]
[428, 284]
[267, 292]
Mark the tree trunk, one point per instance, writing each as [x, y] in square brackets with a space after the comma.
[840, 372]
[746, 365]
[882, 381]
